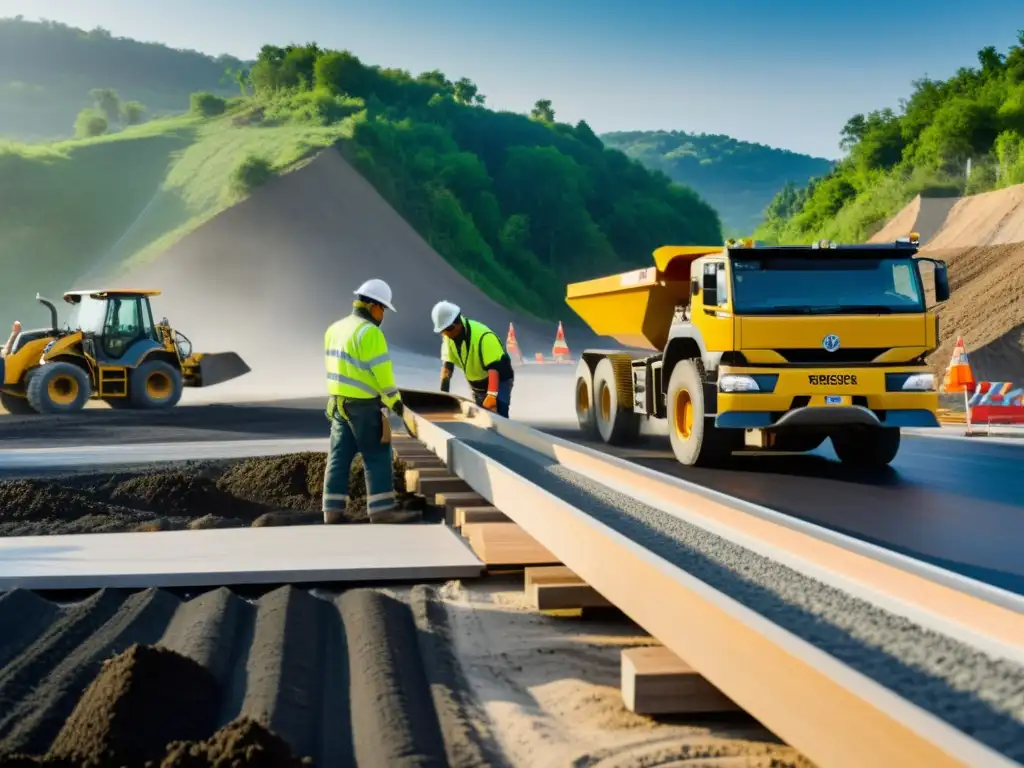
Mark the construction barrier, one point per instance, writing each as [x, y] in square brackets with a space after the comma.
[560, 354]
[997, 402]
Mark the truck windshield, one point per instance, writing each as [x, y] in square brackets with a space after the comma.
[822, 285]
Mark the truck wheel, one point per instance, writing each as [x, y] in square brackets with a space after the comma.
[871, 447]
[155, 385]
[14, 405]
[617, 422]
[695, 439]
[58, 387]
[585, 400]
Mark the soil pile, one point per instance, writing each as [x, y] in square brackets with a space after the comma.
[924, 215]
[259, 491]
[151, 707]
[991, 218]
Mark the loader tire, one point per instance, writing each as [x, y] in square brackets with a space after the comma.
[155, 385]
[870, 447]
[58, 387]
[14, 405]
[617, 422]
[696, 441]
[585, 401]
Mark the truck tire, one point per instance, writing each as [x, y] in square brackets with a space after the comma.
[14, 405]
[695, 439]
[871, 447]
[585, 401]
[155, 385]
[58, 387]
[617, 422]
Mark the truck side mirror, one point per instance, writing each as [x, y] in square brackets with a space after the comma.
[941, 282]
[695, 287]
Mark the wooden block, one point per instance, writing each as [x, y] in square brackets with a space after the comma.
[412, 476]
[430, 486]
[557, 597]
[422, 463]
[657, 682]
[505, 544]
[455, 499]
[469, 515]
[552, 574]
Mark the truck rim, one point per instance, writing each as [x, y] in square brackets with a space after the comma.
[684, 414]
[62, 390]
[582, 398]
[606, 403]
[158, 385]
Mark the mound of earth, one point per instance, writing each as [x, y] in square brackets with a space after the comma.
[924, 215]
[986, 308]
[266, 277]
[258, 491]
[991, 218]
[150, 707]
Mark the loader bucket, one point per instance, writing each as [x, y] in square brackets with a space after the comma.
[220, 367]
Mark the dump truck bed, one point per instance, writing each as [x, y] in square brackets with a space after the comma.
[636, 308]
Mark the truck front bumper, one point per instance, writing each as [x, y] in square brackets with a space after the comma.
[826, 397]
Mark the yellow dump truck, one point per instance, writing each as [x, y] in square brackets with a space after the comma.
[764, 348]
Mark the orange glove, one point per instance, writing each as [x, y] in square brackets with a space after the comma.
[491, 402]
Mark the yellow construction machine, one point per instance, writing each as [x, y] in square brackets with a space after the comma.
[116, 353]
[764, 348]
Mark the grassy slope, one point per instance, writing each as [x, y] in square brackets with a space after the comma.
[80, 206]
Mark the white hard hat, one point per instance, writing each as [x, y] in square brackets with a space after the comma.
[444, 314]
[377, 290]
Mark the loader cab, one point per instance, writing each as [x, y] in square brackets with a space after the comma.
[113, 321]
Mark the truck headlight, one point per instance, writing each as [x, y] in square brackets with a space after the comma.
[734, 382]
[920, 382]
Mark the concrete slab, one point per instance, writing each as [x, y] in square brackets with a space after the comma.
[305, 553]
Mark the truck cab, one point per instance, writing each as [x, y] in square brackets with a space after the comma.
[765, 348]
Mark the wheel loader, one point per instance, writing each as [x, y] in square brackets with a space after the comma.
[116, 354]
[753, 348]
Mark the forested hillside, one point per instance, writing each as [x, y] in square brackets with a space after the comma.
[973, 120]
[48, 72]
[520, 204]
[738, 178]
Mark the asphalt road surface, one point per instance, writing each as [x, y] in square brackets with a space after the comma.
[956, 503]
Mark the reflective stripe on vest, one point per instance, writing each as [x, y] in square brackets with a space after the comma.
[351, 352]
[472, 362]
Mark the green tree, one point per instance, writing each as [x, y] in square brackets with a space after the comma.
[108, 102]
[543, 111]
[90, 123]
[132, 112]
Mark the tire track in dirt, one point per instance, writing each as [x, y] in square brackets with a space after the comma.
[362, 677]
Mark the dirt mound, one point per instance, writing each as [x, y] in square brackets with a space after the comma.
[924, 215]
[279, 490]
[986, 308]
[151, 707]
[267, 277]
[243, 742]
[991, 218]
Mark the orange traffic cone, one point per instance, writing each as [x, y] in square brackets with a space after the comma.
[560, 349]
[960, 378]
[512, 346]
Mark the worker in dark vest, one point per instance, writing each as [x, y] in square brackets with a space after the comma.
[474, 348]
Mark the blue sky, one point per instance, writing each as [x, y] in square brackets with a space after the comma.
[787, 73]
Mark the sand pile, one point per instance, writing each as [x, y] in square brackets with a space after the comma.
[257, 491]
[924, 215]
[150, 707]
[991, 218]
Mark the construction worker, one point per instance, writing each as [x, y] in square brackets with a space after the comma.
[361, 385]
[474, 348]
[15, 330]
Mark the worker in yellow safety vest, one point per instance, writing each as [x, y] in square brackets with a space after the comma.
[474, 348]
[361, 387]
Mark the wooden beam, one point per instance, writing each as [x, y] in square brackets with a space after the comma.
[657, 682]
[469, 515]
[506, 544]
[430, 486]
[551, 574]
[558, 597]
[412, 476]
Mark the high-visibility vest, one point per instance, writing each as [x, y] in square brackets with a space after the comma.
[358, 363]
[479, 348]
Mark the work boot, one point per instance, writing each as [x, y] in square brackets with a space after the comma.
[401, 514]
[334, 517]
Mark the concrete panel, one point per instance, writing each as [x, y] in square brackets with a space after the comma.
[306, 553]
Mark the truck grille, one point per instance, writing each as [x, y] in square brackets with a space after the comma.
[839, 357]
